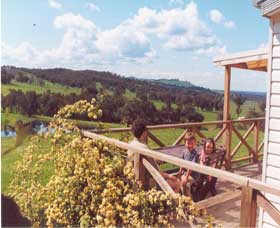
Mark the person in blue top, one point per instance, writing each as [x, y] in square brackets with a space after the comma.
[189, 154]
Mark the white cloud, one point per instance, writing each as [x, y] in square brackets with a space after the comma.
[216, 16]
[130, 41]
[74, 22]
[229, 24]
[180, 29]
[93, 7]
[123, 42]
[213, 51]
[55, 4]
[176, 2]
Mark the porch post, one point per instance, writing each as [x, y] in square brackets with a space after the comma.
[226, 116]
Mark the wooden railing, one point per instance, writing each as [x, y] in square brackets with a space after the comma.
[229, 129]
[252, 191]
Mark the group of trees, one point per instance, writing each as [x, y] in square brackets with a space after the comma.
[7, 75]
[115, 108]
[178, 102]
[118, 108]
[195, 96]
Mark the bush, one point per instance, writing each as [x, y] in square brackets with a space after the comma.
[92, 184]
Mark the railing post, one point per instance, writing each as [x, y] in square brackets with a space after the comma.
[136, 163]
[256, 140]
[140, 171]
[248, 212]
[226, 116]
[227, 142]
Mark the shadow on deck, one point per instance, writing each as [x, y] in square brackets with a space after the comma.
[227, 214]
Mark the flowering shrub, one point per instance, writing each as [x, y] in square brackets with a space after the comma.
[92, 184]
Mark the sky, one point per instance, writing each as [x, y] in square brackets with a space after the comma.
[172, 39]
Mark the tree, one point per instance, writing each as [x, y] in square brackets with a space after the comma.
[6, 77]
[20, 77]
[262, 106]
[239, 100]
[32, 103]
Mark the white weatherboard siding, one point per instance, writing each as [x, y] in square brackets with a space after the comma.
[271, 163]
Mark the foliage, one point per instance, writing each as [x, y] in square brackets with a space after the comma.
[92, 184]
[6, 77]
[20, 77]
[239, 100]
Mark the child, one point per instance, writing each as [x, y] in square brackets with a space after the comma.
[208, 149]
[189, 154]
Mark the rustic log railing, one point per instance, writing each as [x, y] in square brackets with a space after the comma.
[224, 137]
[252, 193]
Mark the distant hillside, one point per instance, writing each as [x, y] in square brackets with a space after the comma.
[30, 82]
[175, 82]
[250, 95]
[85, 78]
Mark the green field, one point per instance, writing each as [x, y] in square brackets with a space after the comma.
[9, 160]
[25, 87]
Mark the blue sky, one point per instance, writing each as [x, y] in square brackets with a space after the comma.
[146, 39]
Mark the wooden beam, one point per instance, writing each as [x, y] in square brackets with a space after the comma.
[228, 138]
[262, 186]
[256, 138]
[241, 57]
[221, 132]
[199, 133]
[251, 151]
[226, 115]
[180, 138]
[143, 174]
[136, 164]
[245, 136]
[222, 174]
[181, 125]
[268, 207]
[257, 64]
[155, 139]
[260, 146]
[248, 212]
[158, 178]
[220, 198]
[241, 159]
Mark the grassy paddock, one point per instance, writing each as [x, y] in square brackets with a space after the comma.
[10, 159]
[25, 87]
[11, 118]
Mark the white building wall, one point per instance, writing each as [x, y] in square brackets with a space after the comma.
[271, 162]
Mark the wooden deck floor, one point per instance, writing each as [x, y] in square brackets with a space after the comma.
[227, 214]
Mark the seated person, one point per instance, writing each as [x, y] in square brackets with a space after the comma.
[189, 154]
[140, 140]
[209, 148]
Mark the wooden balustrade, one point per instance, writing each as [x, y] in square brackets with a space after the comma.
[251, 194]
[228, 131]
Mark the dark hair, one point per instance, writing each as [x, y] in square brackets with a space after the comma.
[138, 127]
[189, 136]
[209, 140]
